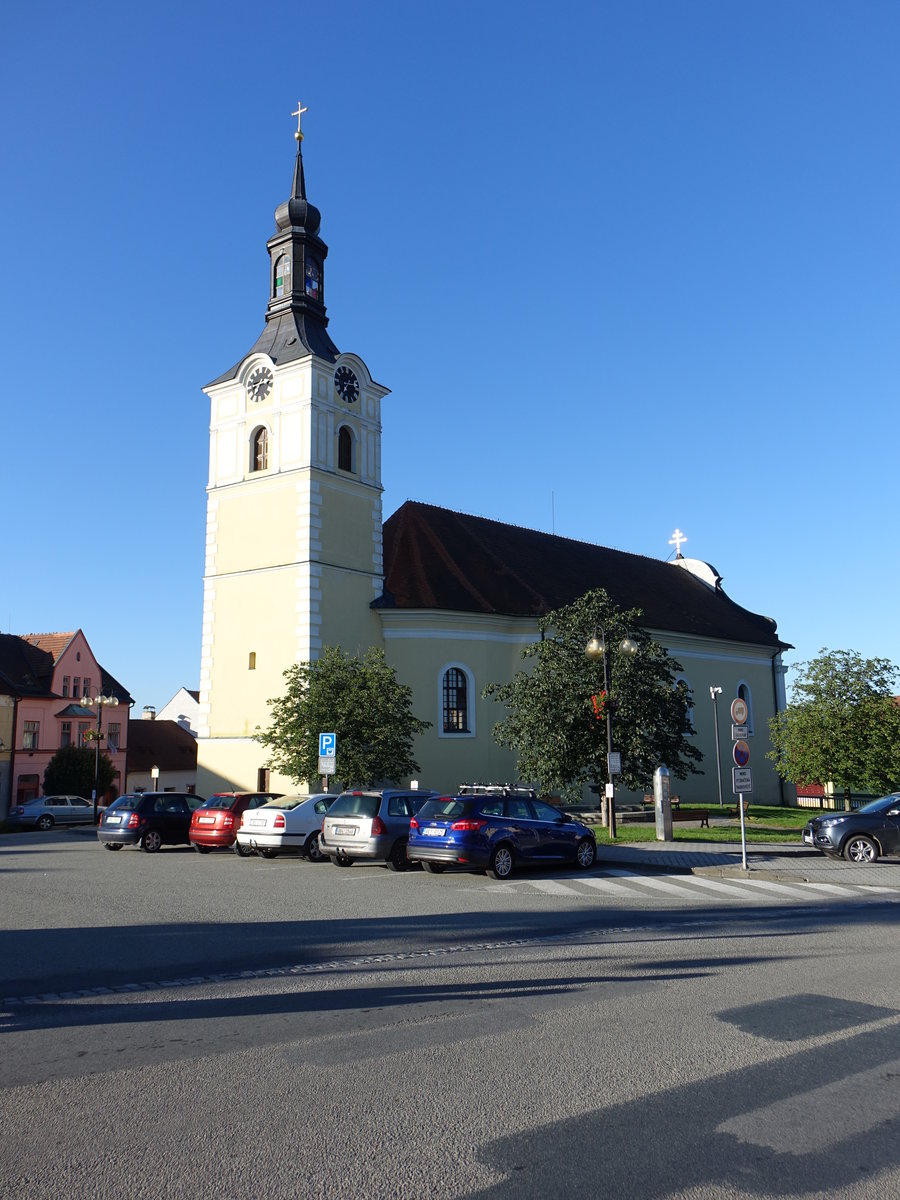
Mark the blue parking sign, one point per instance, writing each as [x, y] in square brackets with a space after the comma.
[327, 745]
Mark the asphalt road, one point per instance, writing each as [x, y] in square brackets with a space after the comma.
[182, 1025]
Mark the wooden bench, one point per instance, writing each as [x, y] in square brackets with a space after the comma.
[692, 814]
[734, 813]
[673, 800]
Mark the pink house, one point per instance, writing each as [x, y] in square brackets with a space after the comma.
[46, 683]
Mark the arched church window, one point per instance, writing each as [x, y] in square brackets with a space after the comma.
[687, 683]
[455, 701]
[345, 449]
[259, 450]
[283, 275]
[744, 694]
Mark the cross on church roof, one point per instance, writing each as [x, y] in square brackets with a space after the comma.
[676, 540]
[300, 110]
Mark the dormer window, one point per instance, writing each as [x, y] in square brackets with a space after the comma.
[283, 275]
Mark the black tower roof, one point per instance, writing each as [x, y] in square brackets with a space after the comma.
[296, 321]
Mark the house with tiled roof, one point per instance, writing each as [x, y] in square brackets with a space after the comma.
[298, 557]
[48, 688]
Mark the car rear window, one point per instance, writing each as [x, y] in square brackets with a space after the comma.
[129, 803]
[227, 802]
[355, 805]
[443, 810]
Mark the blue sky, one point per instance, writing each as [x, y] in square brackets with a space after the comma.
[625, 267]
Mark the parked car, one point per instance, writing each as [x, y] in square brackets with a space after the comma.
[215, 823]
[371, 825]
[860, 836]
[496, 830]
[289, 825]
[46, 811]
[148, 820]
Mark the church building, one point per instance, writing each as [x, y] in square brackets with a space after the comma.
[298, 557]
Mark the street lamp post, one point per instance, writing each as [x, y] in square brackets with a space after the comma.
[714, 693]
[101, 702]
[597, 649]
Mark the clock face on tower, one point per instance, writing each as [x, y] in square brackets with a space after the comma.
[259, 384]
[347, 385]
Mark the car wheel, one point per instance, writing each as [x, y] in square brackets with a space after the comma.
[151, 841]
[201, 849]
[45, 822]
[338, 860]
[501, 864]
[432, 868]
[398, 860]
[243, 851]
[585, 853]
[312, 849]
[112, 846]
[860, 849]
[267, 853]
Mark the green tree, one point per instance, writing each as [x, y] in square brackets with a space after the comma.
[842, 725]
[71, 772]
[552, 723]
[361, 701]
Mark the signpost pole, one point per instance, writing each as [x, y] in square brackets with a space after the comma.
[742, 780]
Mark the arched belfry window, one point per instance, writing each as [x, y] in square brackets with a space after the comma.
[345, 449]
[457, 690]
[283, 275]
[259, 450]
[744, 694]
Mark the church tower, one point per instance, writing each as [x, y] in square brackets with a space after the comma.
[294, 521]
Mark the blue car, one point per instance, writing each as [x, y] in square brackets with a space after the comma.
[495, 830]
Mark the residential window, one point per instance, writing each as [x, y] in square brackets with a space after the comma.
[113, 734]
[65, 685]
[455, 701]
[75, 687]
[345, 449]
[31, 734]
[259, 450]
[262, 779]
[82, 730]
[745, 695]
[65, 734]
[86, 690]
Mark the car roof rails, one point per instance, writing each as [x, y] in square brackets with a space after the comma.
[496, 789]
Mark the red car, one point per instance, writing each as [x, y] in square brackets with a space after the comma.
[214, 824]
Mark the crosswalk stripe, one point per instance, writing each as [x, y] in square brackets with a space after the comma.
[659, 885]
[781, 889]
[553, 887]
[607, 885]
[716, 885]
[835, 888]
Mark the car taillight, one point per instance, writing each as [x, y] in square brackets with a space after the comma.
[377, 826]
[19, 810]
[468, 826]
[413, 823]
[228, 820]
[279, 821]
[134, 820]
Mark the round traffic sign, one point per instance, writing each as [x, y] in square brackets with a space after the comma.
[739, 711]
[741, 752]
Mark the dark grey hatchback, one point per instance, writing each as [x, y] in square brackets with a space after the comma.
[860, 836]
[148, 820]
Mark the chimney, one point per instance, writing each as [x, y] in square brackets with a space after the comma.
[149, 713]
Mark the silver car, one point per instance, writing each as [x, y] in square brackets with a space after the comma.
[46, 811]
[372, 826]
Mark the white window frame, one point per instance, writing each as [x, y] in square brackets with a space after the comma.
[456, 735]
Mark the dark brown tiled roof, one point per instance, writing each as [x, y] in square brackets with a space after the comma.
[438, 559]
[162, 744]
[25, 669]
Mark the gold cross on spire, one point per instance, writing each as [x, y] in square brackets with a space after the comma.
[299, 115]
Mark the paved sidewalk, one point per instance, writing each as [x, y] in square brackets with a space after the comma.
[775, 860]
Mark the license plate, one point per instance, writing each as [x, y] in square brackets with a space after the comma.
[206, 820]
[433, 831]
[346, 830]
[257, 824]
[113, 820]
[807, 837]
